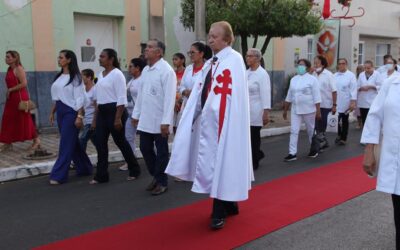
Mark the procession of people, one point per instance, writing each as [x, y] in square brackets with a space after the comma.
[215, 107]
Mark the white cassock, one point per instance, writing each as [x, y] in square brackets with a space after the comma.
[217, 161]
[384, 118]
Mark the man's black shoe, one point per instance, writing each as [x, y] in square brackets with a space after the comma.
[217, 223]
[290, 158]
[152, 185]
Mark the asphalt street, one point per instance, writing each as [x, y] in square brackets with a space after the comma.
[33, 213]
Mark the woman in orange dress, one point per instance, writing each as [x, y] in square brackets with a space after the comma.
[16, 125]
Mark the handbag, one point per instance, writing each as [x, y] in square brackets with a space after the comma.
[332, 123]
[26, 106]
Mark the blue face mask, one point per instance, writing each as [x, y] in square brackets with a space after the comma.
[301, 69]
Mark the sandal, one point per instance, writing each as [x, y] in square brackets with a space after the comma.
[93, 182]
[35, 144]
[131, 178]
[54, 182]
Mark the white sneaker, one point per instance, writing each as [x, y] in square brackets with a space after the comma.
[123, 167]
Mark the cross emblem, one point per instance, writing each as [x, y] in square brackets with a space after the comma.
[226, 80]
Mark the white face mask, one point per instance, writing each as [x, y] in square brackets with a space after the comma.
[389, 66]
[318, 69]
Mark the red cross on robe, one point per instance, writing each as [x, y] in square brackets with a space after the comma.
[226, 80]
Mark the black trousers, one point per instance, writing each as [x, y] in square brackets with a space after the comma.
[320, 125]
[223, 208]
[364, 114]
[343, 127]
[156, 162]
[396, 208]
[256, 153]
[104, 127]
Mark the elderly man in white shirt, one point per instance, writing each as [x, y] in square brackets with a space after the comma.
[153, 114]
[305, 97]
[260, 101]
[327, 86]
[368, 85]
[346, 84]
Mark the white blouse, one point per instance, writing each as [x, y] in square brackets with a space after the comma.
[303, 94]
[365, 98]
[259, 94]
[133, 87]
[72, 95]
[111, 88]
[346, 84]
[327, 86]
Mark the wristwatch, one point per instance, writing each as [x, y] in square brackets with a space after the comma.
[334, 104]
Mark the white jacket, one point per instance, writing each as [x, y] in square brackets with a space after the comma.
[384, 118]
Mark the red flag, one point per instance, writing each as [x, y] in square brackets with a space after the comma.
[326, 12]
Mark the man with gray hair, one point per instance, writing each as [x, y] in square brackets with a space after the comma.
[260, 101]
[153, 113]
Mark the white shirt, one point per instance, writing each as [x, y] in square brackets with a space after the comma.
[259, 94]
[133, 87]
[303, 93]
[327, 86]
[72, 95]
[111, 88]
[89, 106]
[382, 69]
[156, 99]
[346, 84]
[365, 98]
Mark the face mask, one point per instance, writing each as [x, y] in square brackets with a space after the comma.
[389, 66]
[301, 69]
[318, 69]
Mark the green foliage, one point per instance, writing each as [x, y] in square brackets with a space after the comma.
[270, 18]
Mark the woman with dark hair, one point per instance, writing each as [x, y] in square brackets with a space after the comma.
[305, 97]
[179, 62]
[327, 87]
[199, 53]
[135, 69]
[16, 125]
[111, 116]
[68, 93]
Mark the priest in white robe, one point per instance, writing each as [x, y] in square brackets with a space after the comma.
[212, 143]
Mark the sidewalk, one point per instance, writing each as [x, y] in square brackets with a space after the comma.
[13, 166]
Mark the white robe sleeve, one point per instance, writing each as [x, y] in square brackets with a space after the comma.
[353, 88]
[78, 94]
[372, 127]
[120, 89]
[316, 93]
[289, 96]
[332, 83]
[265, 91]
[138, 105]
[169, 86]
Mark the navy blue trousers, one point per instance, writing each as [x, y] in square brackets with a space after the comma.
[104, 127]
[69, 148]
[156, 162]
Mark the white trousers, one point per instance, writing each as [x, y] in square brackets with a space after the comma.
[295, 125]
[130, 134]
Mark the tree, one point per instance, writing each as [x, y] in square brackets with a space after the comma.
[256, 18]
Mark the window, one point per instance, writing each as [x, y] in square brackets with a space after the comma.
[361, 53]
[381, 50]
[310, 49]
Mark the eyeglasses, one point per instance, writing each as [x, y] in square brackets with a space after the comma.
[190, 53]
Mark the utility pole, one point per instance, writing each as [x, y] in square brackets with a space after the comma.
[200, 19]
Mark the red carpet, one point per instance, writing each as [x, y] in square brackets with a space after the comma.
[271, 206]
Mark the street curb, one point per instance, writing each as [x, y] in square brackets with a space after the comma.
[40, 168]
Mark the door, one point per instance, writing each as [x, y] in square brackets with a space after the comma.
[92, 35]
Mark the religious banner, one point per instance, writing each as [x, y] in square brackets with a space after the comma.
[326, 42]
